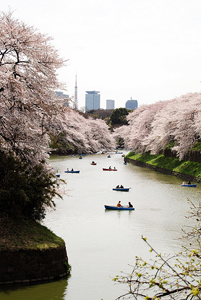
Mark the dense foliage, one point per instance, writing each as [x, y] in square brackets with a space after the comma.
[118, 116]
[72, 133]
[100, 113]
[28, 65]
[25, 190]
[153, 127]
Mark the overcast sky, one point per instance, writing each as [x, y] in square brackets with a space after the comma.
[149, 50]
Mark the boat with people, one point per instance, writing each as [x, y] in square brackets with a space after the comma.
[71, 171]
[111, 207]
[121, 189]
[189, 184]
[109, 169]
[93, 163]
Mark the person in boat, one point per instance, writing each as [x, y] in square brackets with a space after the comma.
[183, 183]
[117, 186]
[119, 204]
[67, 169]
[121, 187]
[93, 162]
[129, 204]
[189, 182]
[110, 167]
[114, 168]
[72, 169]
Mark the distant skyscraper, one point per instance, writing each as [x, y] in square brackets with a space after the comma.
[61, 95]
[131, 104]
[76, 101]
[92, 100]
[110, 104]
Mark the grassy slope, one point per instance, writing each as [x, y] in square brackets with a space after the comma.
[18, 234]
[170, 163]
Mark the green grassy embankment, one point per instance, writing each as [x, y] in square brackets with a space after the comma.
[170, 163]
[24, 234]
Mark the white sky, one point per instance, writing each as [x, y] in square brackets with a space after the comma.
[149, 50]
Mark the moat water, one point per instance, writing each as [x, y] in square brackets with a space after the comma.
[100, 243]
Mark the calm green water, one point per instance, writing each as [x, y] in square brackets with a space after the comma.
[102, 243]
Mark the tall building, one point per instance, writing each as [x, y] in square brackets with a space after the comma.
[131, 104]
[61, 96]
[92, 100]
[110, 104]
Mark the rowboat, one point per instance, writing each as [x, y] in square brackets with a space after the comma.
[118, 208]
[104, 169]
[189, 185]
[121, 189]
[58, 175]
[72, 171]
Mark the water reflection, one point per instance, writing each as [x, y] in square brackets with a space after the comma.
[45, 291]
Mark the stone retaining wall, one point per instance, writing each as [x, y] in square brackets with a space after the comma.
[162, 170]
[31, 266]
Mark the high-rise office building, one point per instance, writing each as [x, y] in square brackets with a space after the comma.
[61, 95]
[131, 104]
[92, 100]
[110, 104]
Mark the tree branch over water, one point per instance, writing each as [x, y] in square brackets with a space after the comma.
[168, 277]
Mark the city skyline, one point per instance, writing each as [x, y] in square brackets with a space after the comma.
[149, 50]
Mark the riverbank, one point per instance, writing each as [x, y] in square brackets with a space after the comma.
[186, 170]
[29, 252]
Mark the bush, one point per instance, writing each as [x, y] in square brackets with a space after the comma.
[25, 189]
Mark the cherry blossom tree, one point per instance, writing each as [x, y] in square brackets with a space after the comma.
[153, 127]
[80, 135]
[100, 133]
[28, 64]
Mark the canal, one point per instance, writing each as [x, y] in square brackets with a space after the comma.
[100, 243]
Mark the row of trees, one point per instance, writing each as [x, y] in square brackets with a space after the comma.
[72, 133]
[153, 127]
[112, 117]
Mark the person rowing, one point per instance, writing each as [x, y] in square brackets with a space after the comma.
[119, 204]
